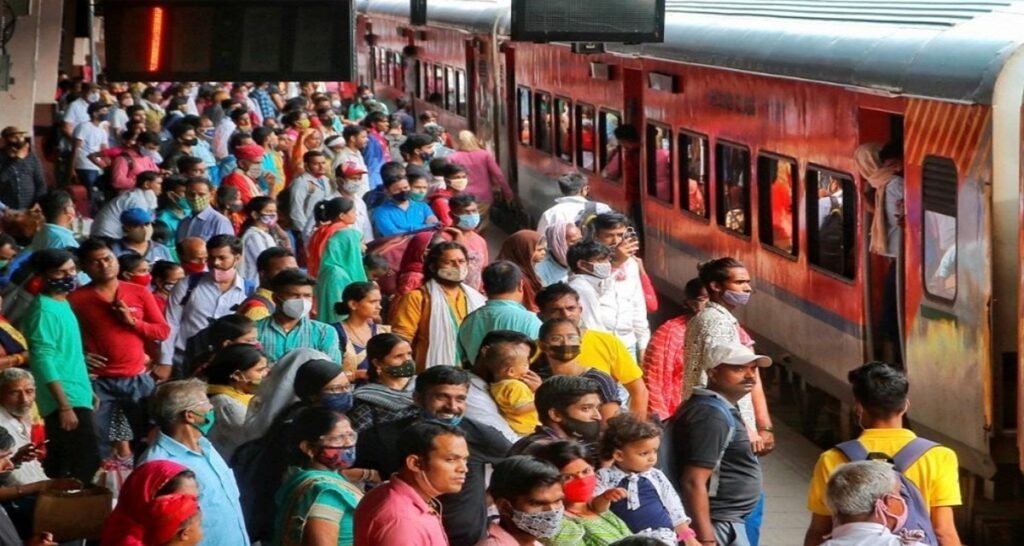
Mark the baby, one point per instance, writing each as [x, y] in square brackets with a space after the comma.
[513, 396]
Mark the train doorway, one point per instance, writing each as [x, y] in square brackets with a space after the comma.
[633, 115]
[884, 276]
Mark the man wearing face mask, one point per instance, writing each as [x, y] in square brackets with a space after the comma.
[134, 161]
[290, 326]
[107, 223]
[185, 416]
[205, 222]
[183, 143]
[89, 138]
[865, 499]
[418, 151]
[569, 408]
[880, 393]
[465, 214]
[405, 510]
[123, 320]
[21, 173]
[720, 477]
[248, 171]
[78, 111]
[728, 285]
[356, 139]
[528, 495]
[201, 297]
[590, 267]
[400, 215]
[137, 225]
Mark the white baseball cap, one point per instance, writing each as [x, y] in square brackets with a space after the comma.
[734, 354]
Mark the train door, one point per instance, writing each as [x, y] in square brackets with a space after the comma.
[633, 114]
[884, 286]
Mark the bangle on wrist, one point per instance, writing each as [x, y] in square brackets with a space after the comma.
[69, 408]
[767, 428]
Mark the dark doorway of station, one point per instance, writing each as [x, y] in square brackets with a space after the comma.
[884, 276]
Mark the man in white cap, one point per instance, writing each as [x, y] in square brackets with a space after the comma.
[720, 477]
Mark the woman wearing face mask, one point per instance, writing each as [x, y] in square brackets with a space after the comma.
[663, 361]
[361, 302]
[134, 269]
[172, 206]
[560, 351]
[388, 395]
[316, 503]
[257, 233]
[232, 378]
[554, 267]
[526, 249]
[332, 216]
[581, 525]
[342, 265]
[166, 274]
[455, 181]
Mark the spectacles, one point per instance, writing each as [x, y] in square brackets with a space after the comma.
[337, 390]
[347, 439]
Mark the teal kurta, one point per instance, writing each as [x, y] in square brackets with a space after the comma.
[316, 494]
[56, 354]
[341, 265]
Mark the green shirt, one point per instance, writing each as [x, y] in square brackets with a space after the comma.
[307, 334]
[495, 315]
[53, 334]
[314, 494]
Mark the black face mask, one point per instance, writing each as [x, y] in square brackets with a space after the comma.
[190, 141]
[587, 431]
[402, 196]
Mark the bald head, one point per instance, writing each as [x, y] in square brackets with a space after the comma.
[192, 250]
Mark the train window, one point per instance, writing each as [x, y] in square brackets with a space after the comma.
[451, 94]
[831, 220]
[776, 191]
[387, 70]
[398, 71]
[563, 129]
[939, 197]
[437, 95]
[525, 109]
[608, 147]
[418, 78]
[659, 162]
[693, 169]
[462, 93]
[585, 136]
[542, 121]
[373, 64]
[732, 171]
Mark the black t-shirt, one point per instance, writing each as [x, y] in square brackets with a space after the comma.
[698, 437]
[464, 513]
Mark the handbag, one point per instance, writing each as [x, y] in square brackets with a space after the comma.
[72, 515]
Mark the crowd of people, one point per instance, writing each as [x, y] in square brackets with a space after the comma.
[268, 314]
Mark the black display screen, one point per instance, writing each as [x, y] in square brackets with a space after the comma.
[631, 21]
[229, 40]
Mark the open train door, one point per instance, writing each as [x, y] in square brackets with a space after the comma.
[633, 115]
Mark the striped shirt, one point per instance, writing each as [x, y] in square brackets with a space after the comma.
[308, 334]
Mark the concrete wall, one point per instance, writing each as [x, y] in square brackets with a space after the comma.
[35, 56]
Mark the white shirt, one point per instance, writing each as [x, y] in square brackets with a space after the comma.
[91, 138]
[589, 287]
[306, 192]
[363, 220]
[481, 408]
[624, 307]
[78, 112]
[206, 304]
[108, 219]
[221, 135]
[567, 209]
[21, 430]
[866, 534]
[254, 242]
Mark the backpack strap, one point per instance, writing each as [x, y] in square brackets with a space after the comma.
[715, 402]
[193, 282]
[910, 453]
[853, 450]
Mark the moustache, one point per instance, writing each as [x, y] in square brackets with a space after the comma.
[750, 382]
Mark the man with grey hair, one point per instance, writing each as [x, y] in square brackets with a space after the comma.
[185, 416]
[439, 134]
[17, 398]
[865, 500]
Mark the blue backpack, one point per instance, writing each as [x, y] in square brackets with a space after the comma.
[667, 462]
[919, 517]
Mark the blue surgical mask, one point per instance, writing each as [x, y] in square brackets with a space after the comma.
[450, 421]
[735, 298]
[469, 221]
[340, 402]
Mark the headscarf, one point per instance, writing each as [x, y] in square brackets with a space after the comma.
[277, 391]
[167, 514]
[341, 266]
[131, 521]
[554, 234]
[878, 176]
[410, 272]
[518, 249]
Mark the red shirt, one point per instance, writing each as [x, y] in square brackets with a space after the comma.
[104, 334]
[247, 189]
[394, 513]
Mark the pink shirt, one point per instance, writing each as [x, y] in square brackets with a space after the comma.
[496, 536]
[394, 513]
[484, 174]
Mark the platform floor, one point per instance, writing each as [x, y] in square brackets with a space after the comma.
[787, 472]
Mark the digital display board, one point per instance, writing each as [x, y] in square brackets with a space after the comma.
[629, 21]
[229, 40]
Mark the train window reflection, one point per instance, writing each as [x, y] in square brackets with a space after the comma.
[776, 190]
[732, 170]
[939, 197]
[450, 95]
[525, 108]
[693, 171]
[585, 136]
[463, 93]
[608, 147]
[831, 221]
[563, 129]
[659, 162]
[542, 121]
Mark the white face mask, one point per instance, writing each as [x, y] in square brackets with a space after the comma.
[297, 308]
[453, 274]
[601, 270]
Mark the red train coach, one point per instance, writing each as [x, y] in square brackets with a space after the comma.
[749, 115]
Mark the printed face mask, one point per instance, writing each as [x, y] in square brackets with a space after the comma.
[539, 524]
[336, 458]
[453, 274]
[199, 203]
[405, 369]
[63, 285]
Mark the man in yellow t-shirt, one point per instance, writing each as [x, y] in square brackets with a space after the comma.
[880, 392]
[602, 351]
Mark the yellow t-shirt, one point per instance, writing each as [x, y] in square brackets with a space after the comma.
[605, 353]
[511, 394]
[936, 473]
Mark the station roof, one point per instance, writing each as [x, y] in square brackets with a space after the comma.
[945, 49]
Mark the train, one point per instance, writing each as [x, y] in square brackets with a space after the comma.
[749, 116]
